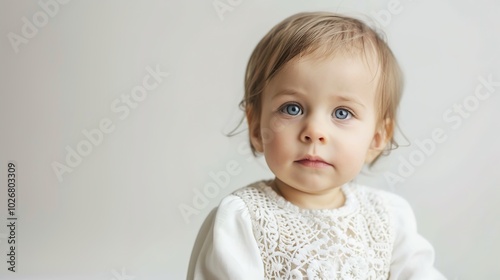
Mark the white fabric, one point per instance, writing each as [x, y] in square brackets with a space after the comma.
[230, 250]
[256, 234]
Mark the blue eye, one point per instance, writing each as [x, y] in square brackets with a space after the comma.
[342, 114]
[291, 109]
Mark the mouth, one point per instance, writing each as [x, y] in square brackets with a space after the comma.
[313, 161]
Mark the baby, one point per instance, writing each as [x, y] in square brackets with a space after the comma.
[321, 96]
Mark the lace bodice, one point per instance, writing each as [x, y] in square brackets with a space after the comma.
[354, 241]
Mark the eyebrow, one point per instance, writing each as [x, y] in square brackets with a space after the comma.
[338, 97]
[285, 92]
[349, 99]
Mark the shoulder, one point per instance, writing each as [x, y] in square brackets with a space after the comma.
[237, 201]
[256, 195]
[389, 206]
[232, 219]
[256, 188]
[225, 246]
[412, 255]
[398, 207]
[373, 196]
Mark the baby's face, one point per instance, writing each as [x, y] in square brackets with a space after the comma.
[318, 121]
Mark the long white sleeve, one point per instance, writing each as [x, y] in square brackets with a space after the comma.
[229, 250]
[413, 256]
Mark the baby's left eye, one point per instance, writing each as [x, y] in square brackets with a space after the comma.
[342, 114]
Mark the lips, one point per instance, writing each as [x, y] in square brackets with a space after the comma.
[313, 161]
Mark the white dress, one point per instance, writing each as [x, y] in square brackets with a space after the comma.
[256, 234]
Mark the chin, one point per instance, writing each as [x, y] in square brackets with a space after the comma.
[314, 184]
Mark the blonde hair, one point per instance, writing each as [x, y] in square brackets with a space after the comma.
[323, 34]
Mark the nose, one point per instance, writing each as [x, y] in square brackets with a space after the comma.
[313, 132]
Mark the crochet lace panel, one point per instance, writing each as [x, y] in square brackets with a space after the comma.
[352, 242]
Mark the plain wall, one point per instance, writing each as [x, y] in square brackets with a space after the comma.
[115, 212]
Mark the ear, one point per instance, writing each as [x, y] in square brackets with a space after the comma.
[380, 140]
[254, 129]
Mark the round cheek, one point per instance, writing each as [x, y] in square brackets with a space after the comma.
[267, 135]
[274, 159]
[271, 128]
[354, 150]
[275, 147]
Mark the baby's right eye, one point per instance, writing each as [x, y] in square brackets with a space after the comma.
[291, 109]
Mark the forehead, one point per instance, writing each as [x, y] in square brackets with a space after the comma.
[341, 73]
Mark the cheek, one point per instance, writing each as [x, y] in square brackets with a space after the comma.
[274, 141]
[277, 144]
[274, 155]
[355, 145]
[275, 124]
[275, 130]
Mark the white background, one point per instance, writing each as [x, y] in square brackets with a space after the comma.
[116, 214]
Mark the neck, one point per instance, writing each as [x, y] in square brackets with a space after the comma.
[326, 199]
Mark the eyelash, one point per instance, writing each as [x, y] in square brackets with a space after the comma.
[284, 107]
